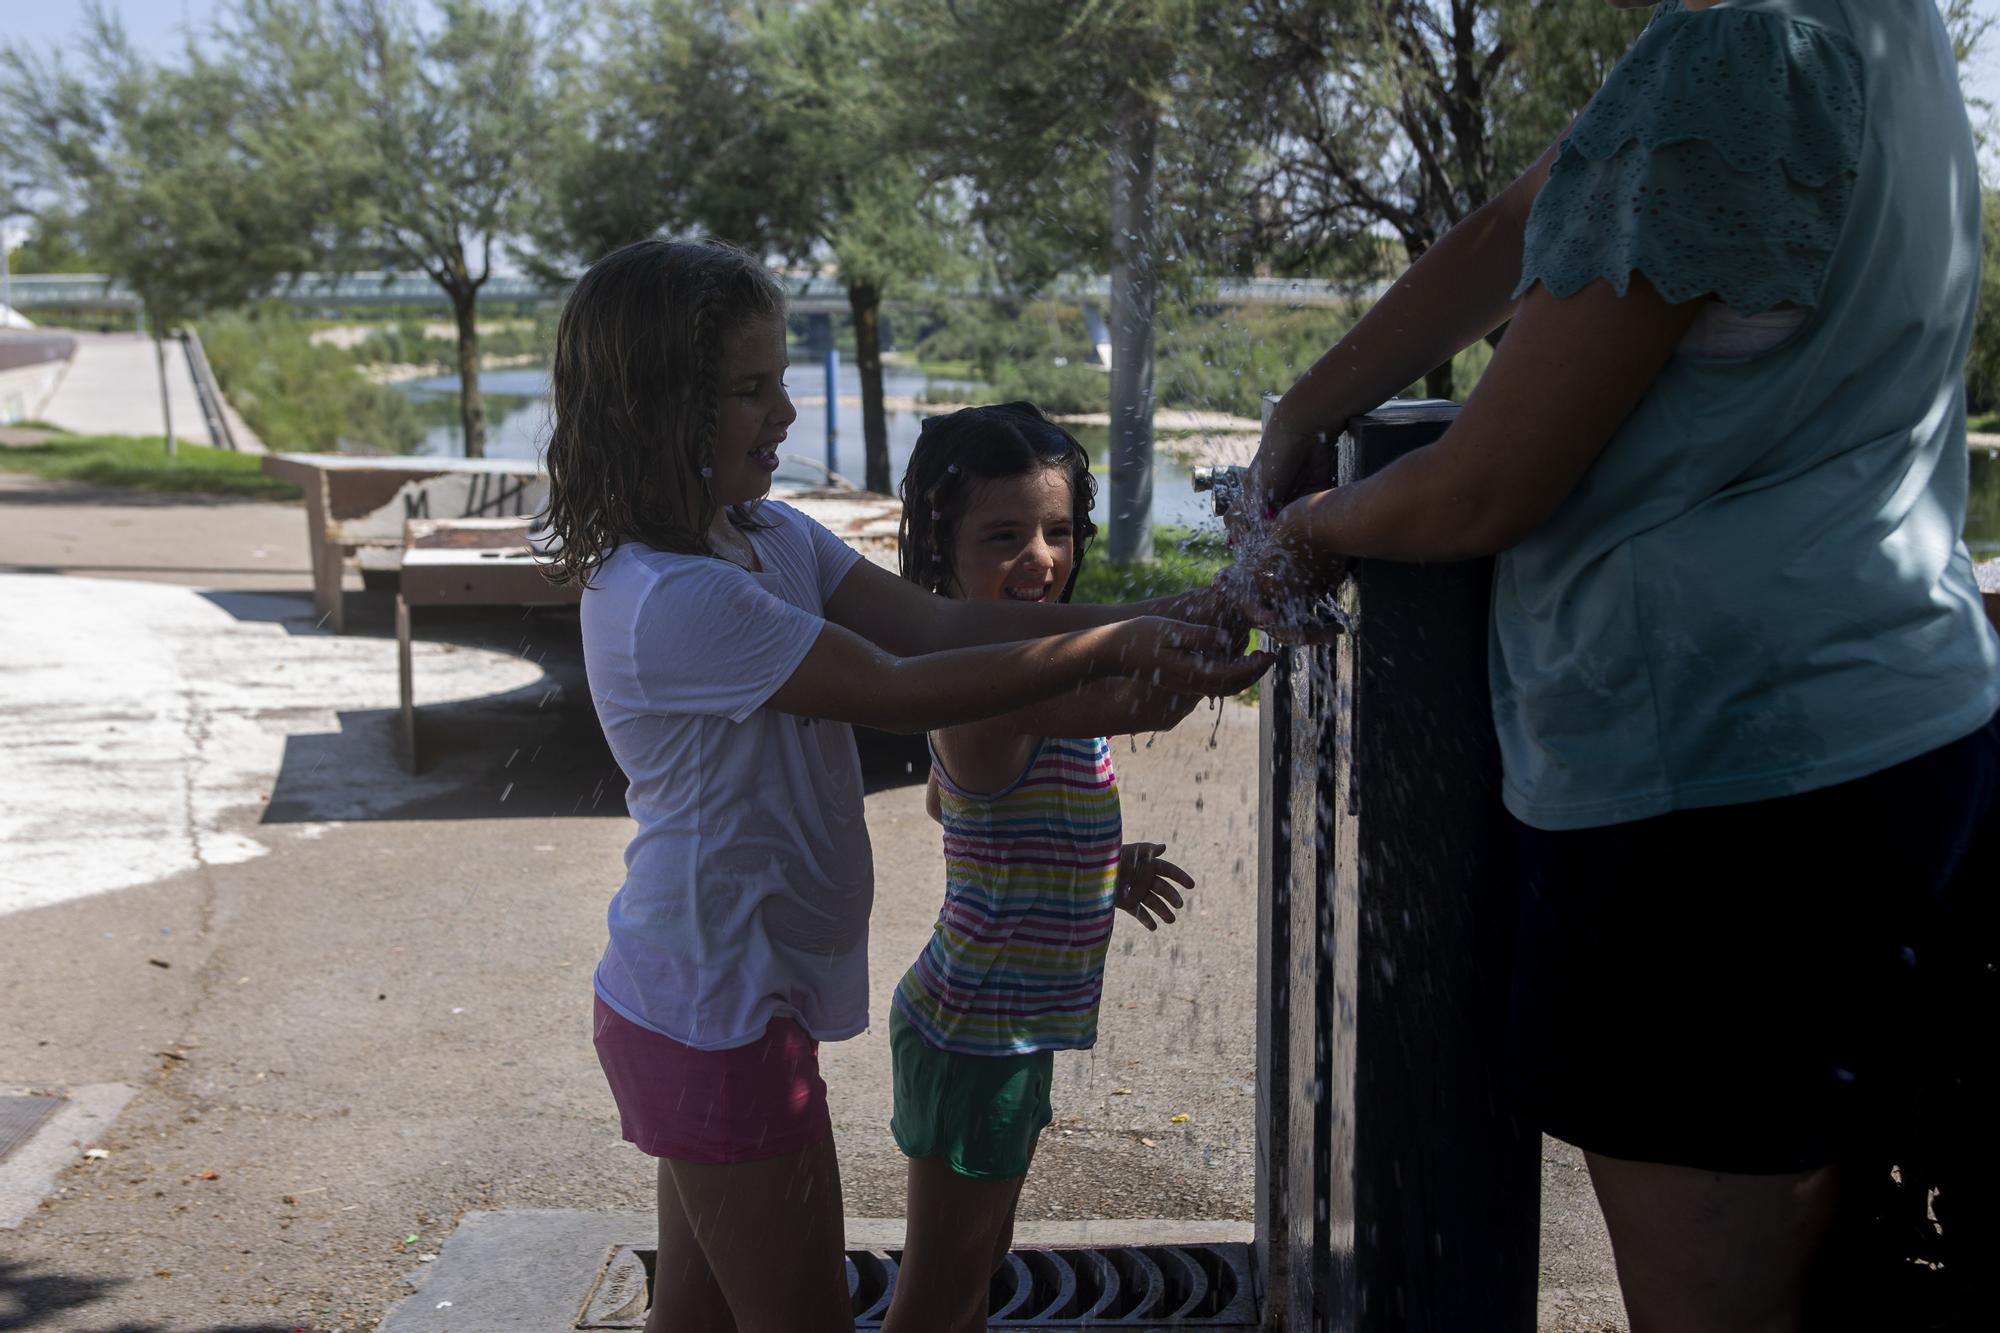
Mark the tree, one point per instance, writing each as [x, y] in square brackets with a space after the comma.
[151, 171]
[1058, 116]
[666, 137]
[52, 246]
[871, 202]
[1408, 115]
[776, 130]
[443, 123]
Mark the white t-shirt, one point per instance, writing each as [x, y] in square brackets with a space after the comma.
[748, 883]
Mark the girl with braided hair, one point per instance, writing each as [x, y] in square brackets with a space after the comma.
[730, 643]
[996, 509]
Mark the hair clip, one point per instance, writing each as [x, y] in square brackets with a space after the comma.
[951, 468]
[708, 472]
[937, 557]
[936, 515]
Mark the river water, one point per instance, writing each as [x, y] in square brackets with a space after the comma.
[517, 407]
[517, 424]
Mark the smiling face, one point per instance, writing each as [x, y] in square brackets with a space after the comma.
[1016, 539]
[755, 411]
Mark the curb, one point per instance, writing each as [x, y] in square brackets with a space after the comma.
[29, 1172]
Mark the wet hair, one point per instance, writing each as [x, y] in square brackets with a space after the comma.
[958, 453]
[636, 397]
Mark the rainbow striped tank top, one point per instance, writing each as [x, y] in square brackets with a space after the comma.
[1015, 963]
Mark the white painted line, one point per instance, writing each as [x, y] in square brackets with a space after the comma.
[29, 1172]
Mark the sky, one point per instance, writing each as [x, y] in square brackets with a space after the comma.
[154, 25]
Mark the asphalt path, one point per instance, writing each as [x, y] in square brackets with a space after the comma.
[355, 1004]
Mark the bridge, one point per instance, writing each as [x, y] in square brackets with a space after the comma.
[812, 293]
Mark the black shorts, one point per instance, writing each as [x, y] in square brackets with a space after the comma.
[1759, 988]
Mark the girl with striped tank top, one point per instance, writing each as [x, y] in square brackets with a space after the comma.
[996, 505]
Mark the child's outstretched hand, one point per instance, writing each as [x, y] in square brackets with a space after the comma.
[1146, 883]
[1184, 659]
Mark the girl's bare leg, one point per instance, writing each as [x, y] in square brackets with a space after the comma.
[959, 1232]
[1708, 1252]
[772, 1233]
[686, 1296]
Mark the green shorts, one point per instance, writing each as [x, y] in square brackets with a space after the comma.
[982, 1113]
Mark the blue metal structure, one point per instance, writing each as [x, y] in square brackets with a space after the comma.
[832, 408]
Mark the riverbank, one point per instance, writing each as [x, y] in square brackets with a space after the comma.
[1166, 420]
[1193, 437]
[401, 372]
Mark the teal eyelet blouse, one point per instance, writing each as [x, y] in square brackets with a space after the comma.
[1759, 588]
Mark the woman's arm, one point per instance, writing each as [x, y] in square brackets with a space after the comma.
[1457, 293]
[1567, 375]
[845, 678]
[897, 615]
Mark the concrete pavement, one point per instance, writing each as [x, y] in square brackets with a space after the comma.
[373, 1011]
[112, 387]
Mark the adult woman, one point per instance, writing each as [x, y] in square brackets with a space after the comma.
[1743, 686]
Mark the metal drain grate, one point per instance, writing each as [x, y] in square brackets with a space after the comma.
[20, 1117]
[1127, 1286]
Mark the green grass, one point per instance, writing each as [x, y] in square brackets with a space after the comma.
[142, 464]
[1986, 423]
[950, 370]
[1182, 559]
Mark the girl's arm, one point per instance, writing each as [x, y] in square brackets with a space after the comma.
[845, 678]
[895, 614]
[1105, 708]
[1567, 375]
[1459, 291]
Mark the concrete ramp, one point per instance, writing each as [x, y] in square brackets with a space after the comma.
[112, 387]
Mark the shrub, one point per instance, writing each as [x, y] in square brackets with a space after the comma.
[1042, 353]
[298, 396]
[1183, 559]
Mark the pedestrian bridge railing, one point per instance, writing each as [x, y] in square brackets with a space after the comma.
[811, 293]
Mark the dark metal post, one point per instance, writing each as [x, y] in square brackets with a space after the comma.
[1397, 1189]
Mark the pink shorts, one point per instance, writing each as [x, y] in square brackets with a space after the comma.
[739, 1105]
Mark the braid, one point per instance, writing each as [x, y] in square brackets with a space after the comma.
[930, 494]
[704, 407]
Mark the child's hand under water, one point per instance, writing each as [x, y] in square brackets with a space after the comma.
[1182, 659]
[1272, 588]
[1146, 883]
